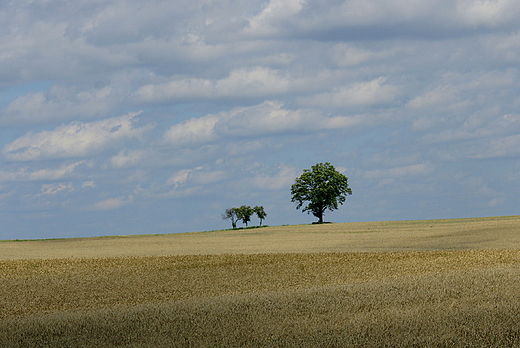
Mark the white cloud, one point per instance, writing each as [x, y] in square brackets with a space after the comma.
[208, 177]
[4, 196]
[53, 189]
[361, 12]
[255, 82]
[273, 14]
[195, 176]
[24, 174]
[504, 48]
[452, 89]
[508, 146]
[241, 147]
[125, 158]
[137, 176]
[346, 55]
[183, 193]
[476, 184]
[91, 184]
[364, 93]
[73, 140]
[193, 131]
[397, 172]
[281, 180]
[34, 46]
[487, 12]
[181, 177]
[496, 202]
[443, 95]
[479, 127]
[379, 18]
[267, 118]
[258, 81]
[59, 103]
[494, 79]
[112, 203]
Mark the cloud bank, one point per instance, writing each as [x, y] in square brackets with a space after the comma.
[131, 117]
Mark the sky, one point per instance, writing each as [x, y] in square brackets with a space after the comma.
[143, 117]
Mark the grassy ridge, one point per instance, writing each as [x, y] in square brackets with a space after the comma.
[455, 298]
[471, 233]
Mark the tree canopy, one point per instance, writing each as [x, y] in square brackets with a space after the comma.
[320, 188]
[243, 213]
[260, 213]
[232, 215]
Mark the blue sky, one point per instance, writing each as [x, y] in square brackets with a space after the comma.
[132, 117]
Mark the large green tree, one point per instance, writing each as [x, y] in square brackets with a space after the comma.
[320, 188]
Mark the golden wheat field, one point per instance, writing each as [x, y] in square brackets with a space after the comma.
[434, 283]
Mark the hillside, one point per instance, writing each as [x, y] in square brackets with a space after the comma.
[434, 283]
[449, 234]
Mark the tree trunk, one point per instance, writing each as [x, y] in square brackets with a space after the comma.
[318, 212]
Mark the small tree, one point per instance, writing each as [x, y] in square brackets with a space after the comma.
[259, 211]
[323, 187]
[244, 213]
[231, 214]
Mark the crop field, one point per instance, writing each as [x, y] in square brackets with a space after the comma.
[431, 283]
